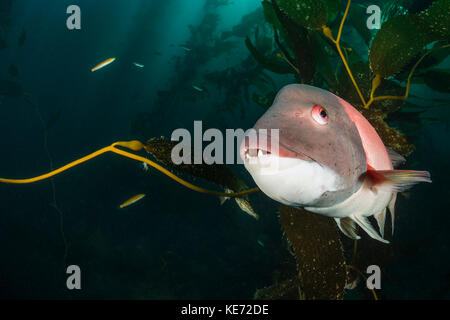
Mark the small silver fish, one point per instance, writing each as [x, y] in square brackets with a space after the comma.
[184, 47]
[103, 64]
[132, 200]
[138, 65]
[198, 88]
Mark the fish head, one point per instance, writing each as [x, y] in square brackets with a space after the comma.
[305, 150]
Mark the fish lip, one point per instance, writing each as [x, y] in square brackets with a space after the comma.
[283, 150]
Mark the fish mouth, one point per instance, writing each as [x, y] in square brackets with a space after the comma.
[264, 147]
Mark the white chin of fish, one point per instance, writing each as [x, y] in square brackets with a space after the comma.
[290, 181]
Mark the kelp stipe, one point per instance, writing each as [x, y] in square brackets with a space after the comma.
[327, 32]
[376, 81]
[134, 145]
[54, 203]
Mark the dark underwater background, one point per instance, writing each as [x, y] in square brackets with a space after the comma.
[175, 243]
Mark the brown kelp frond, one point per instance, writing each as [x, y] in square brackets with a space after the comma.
[161, 149]
[287, 289]
[391, 136]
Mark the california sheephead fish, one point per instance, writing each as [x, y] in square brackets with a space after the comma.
[329, 160]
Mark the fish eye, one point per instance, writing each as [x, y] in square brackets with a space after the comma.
[319, 114]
